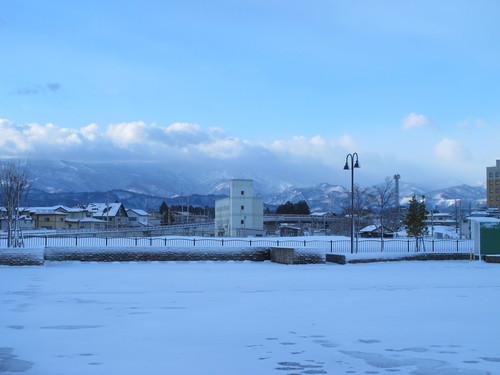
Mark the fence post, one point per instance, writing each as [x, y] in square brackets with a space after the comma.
[222, 242]
[165, 241]
[194, 242]
[408, 241]
[277, 242]
[106, 241]
[457, 246]
[250, 243]
[304, 243]
[76, 240]
[150, 241]
[135, 241]
[331, 246]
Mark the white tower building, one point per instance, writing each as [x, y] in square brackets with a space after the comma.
[241, 214]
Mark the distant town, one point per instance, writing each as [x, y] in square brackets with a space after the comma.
[376, 214]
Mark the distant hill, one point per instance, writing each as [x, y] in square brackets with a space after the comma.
[147, 185]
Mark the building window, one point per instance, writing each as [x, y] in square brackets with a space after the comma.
[242, 221]
[491, 174]
[497, 174]
[491, 198]
[497, 182]
[497, 190]
[242, 207]
[491, 182]
[491, 190]
[47, 219]
[242, 192]
[498, 198]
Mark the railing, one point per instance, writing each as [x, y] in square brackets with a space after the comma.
[124, 229]
[334, 246]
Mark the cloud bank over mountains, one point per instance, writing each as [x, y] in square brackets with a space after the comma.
[299, 160]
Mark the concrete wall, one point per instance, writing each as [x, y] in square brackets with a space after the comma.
[296, 256]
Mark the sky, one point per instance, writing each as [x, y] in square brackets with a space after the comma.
[413, 87]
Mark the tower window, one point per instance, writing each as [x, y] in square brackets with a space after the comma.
[242, 208]
[242, 192]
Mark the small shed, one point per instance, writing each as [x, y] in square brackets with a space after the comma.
[486, 235]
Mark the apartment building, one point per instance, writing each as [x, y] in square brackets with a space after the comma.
[493, 186]
[241, 214]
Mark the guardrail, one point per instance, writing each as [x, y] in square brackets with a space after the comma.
[333, 246]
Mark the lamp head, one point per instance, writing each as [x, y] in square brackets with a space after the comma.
[356, 165]
[346, 167]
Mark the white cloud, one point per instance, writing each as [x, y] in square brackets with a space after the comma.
[190, 146]
[451, 150]
[127, 133]
[414, 120]
[348, 142]
[91, 132]
[12, 139]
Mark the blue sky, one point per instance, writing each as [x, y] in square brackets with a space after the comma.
[412, 86]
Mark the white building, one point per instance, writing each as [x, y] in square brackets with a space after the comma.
[241, 214]
[137, 217]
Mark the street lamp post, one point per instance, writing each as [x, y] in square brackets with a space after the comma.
[353, 158]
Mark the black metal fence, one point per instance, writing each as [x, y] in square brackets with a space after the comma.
[333, 246]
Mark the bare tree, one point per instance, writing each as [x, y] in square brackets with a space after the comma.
[383, 195]
[14, 186]
[361, 206]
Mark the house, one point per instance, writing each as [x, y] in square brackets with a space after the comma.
[46, 217]
[375, 231]
[241, 214]
[114, 214]
[25, 222]
[290, 231]
[440, 218]
[86, 223]
[137, 217]
[155, 218]
[73, 212]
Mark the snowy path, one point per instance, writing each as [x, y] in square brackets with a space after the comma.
[434, 317]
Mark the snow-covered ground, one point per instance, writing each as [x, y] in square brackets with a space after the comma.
[432, 318]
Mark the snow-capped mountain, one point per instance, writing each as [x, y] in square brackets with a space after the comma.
[146, 185]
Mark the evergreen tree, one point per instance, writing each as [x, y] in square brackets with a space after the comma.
[166, 215]
[414, 221]
[300, 208]
[285, 209]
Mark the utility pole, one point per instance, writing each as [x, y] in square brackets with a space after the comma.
[396, 183]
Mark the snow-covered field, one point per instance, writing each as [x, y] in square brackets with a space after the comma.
[420, 318]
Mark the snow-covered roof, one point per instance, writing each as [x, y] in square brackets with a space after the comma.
[369, 228]
[138, 212]
[485, 219]
[85, 220]
[69, 209]
[43, 211]
[104, 209]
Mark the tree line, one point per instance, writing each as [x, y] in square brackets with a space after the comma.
[289, 208]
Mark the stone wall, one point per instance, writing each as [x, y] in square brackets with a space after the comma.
[124, 254]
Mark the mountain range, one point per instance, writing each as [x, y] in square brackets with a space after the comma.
[147, 185]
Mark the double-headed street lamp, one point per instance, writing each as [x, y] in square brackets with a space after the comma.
[353, 158]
